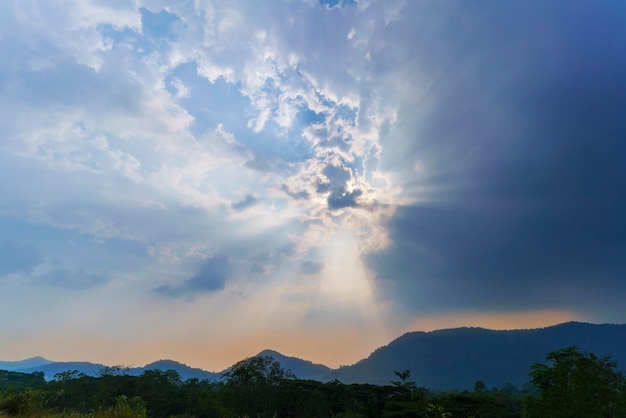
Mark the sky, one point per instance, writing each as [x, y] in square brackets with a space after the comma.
[202, 180]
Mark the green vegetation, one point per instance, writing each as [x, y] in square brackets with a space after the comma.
[570, 384]
[578, 385]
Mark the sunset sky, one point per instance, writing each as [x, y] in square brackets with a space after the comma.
[201, 180]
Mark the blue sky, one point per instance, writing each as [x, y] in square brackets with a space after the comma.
[203, 180]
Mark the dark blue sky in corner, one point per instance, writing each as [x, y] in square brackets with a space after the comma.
[528, 199]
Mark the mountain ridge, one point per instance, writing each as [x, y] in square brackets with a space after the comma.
[450, 358]
[458, 357]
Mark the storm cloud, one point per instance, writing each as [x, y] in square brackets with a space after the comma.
[522, 188]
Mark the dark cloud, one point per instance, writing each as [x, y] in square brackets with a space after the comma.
[337, 176]
[340, 199]
[79, 279]
[503, 258]
[322, 187]
[311, 267]
[258, 268]
[18, 258]
[266, 164]
[523, 147]
[295, 195]
[247, 202]
[211, 277]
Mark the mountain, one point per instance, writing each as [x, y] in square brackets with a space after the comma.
[92, 369]
[457, 358]
[302, 369]
[50, 369]
[444, 359]
[183, 370]
[23, 364]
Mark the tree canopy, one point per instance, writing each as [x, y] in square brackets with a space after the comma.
[577, 384]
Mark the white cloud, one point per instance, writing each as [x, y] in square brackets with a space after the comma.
[104, 141]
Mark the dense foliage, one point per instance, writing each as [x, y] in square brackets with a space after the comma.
[572, 384]
[578, 385]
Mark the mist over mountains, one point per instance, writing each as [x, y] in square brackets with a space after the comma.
[442, 359]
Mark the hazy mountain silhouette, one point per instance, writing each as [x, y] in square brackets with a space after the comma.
[185, 372]
[302, 369]
[443, 359]
[93, 369]
[457, 358]
[22, 364]
[50, 369]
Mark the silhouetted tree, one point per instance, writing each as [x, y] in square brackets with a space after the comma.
[577, 384]
[251, 385]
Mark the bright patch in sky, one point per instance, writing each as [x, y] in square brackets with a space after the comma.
[203, 180]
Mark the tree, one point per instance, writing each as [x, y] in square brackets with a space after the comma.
[480, 387]
[406, 388]
[577, 384]
[251, 385]
[256, 370]
[118, 370]
[68, 375]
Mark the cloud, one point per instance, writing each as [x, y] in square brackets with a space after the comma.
[337, 3]
[249, 201]
[266, 164]
[303, 194]
[211, 277]
[16, 257]
[80, 279]
[341, 199]
[519, 183]
[470, 164]
[311, 267]
[462, 259]
[337, 178]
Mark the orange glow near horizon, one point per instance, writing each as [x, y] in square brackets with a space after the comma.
[331, 345]
[495, 320]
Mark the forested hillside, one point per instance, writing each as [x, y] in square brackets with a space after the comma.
[570, 383]
[456, 358]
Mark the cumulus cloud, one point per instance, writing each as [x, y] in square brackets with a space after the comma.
[211, 277]
[302, 194]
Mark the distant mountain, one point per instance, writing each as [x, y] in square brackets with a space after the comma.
[50, 369]
[23, 364]
[183, 370]
[457, 358]
[92, 369]
[443, 359]
[302, 369]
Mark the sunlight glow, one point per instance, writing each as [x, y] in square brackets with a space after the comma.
[344, 278]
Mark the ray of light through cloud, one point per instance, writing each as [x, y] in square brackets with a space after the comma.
[203, 180]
